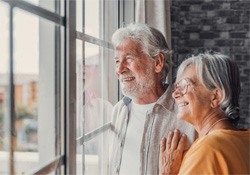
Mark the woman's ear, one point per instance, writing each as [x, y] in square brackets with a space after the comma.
[216, 97]
[159, 62]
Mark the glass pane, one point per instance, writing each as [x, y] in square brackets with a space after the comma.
[91, 160]
[94, 163]
[97, 106]
[109, 80]
[4, 86]
[92, 17]
[110, 23]
[99, 99]
[35, 88]
[79, 102]
[79, 92]
[48, 5]
[98, 82]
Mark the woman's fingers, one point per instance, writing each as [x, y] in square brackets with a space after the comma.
[171, 153]
[175, 139]
[163, 144]
[169, 140]
[182, 142]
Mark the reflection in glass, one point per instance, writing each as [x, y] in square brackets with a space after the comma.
[79, 103]
[97, 84]
[79, 87]
[97, 107]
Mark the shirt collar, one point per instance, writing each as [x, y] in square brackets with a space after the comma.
[166, 100]
[126, 100]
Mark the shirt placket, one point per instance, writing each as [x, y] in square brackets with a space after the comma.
[146, 143]
[121, 142]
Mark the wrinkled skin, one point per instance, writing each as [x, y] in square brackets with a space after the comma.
[171, 153]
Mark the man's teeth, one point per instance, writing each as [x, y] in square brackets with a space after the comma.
[128, 79]
[183, 104]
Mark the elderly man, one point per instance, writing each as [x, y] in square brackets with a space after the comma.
[147, 111]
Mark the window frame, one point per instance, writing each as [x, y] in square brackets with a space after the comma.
[54, 17]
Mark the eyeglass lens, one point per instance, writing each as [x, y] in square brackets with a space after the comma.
[181, 86]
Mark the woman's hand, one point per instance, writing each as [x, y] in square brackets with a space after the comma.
[171, 153]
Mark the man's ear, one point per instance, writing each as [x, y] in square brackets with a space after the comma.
[159, 62]
[216, 97]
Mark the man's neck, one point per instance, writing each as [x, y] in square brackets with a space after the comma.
[150, 97]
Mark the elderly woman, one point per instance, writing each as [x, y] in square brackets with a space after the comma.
[207, 93]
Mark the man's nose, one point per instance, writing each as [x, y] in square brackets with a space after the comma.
[121, 67]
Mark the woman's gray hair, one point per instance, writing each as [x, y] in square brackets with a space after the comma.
[151, 40]
[218, 71]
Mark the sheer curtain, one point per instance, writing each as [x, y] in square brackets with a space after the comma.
[155, 13]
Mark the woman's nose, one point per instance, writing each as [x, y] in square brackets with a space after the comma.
[176, 93]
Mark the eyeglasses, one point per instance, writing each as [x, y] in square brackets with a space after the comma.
[182, 86]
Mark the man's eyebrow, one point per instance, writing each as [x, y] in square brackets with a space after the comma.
[115, 58]
[126, 54]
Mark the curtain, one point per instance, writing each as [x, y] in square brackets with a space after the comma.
[155, 13]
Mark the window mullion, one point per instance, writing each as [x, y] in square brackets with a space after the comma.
[58, 104]
[37, 11]
[51, 166]
[70, 88]
[12, 99]
[83, 81]
[93, 134]
[93, 40]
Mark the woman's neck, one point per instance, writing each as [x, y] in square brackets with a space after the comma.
[214, 120]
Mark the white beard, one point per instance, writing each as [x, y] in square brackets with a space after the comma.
[141, 87]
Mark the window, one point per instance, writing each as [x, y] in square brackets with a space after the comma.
[57, 84]
[96, 83]
[31, 71]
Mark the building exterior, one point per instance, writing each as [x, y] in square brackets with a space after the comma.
[25, 89]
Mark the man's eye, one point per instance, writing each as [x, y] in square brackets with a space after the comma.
[129, 59]
[117, 62]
